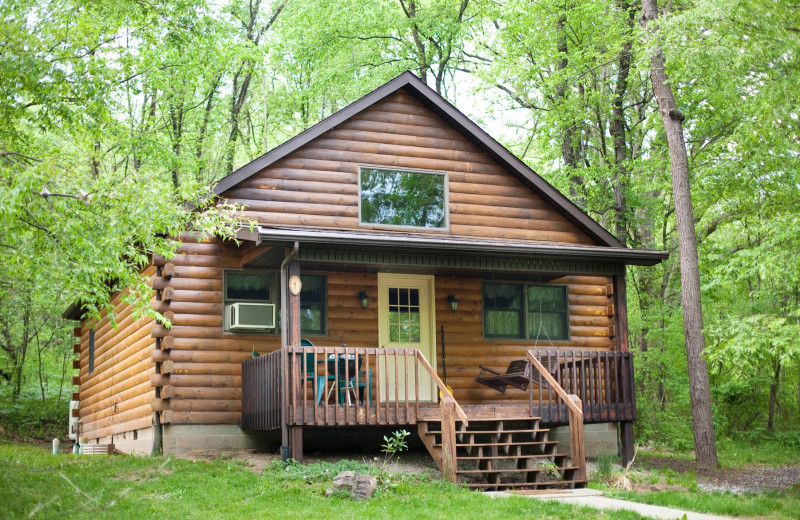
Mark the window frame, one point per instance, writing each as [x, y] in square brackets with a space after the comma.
[445, 202]
[525, 312]
[274, 292]
[274, 299]
[91, 349]
[324, 302]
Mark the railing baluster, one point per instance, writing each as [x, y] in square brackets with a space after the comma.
[396, 396]
[581, 369]
[416, 385]
[386, 383]
[405, 379]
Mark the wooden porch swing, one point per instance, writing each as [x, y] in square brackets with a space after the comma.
[519, 374]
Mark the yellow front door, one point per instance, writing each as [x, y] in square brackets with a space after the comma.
[406, 319]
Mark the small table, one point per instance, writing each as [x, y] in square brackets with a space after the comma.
[345, 366]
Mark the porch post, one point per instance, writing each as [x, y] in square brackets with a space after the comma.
[293, 340]
[293, 312]
[626, 440]
[621, 312]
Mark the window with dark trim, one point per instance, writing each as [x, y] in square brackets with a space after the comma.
[264, 287]
[313, 304]
[91, 350]
[249, 287]
[401, 198]
[525, 311]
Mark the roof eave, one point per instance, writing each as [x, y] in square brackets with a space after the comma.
[435, 245]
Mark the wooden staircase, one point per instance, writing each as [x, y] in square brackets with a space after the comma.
[504, 453]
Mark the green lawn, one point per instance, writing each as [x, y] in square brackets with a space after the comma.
[34, 484]
[777, 505]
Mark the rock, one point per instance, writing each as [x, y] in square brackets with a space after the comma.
[360, 486]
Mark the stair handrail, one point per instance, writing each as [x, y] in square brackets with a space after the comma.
[441, 386]
[573, 402]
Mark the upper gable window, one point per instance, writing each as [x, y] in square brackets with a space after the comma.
[403, 198]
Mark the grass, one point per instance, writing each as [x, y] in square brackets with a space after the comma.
[777, 505]
[773, 505]
[35, 484]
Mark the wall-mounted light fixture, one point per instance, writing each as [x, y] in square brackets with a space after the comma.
[453, 301]
[364, 299]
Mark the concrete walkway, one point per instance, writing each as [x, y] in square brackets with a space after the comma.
[594, 498]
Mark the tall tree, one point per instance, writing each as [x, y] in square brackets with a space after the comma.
[672, 119]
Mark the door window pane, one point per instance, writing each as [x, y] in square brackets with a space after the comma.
[404, 318]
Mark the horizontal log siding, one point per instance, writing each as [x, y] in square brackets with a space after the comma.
[317, 186]
[201, 373]
[467, 350]
[200, 376]
[115, 397]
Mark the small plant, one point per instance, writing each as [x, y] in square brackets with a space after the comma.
[394, 445]
[605, 466]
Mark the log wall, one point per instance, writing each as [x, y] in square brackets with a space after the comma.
[591, 327]
[317, 185]
[200, 376]
[201, 366]
[115, 397]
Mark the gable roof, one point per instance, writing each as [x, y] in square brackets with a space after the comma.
[456, 120]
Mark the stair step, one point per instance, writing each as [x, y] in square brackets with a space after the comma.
[510, 457]
[512, 470]
[552, 483]
[487, 444]
[489, 432]
[504, 419]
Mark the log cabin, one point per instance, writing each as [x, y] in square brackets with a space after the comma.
[404, 270]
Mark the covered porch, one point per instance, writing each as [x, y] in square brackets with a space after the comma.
[322, 387]
[368, 370]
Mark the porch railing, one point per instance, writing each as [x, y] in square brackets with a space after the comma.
[261, 392]
[340, 386]
[603, 381]
[574, 412]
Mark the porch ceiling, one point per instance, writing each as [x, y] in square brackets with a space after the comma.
[439, 254]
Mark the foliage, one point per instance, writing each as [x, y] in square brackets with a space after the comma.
[117, 117]
[395, 443]
[34, 484]
[29, 419]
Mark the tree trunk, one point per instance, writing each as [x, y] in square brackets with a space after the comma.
[617, 129]
[773, 394]
[567, 146]
[699, 388]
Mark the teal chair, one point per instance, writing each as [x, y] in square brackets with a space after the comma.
[318, 379]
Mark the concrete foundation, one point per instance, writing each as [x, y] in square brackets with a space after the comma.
[185, 439]
[598, 438]
[137, 442]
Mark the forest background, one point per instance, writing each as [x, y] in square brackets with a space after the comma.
[115, 114]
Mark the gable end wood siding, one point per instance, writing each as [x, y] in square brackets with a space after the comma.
[115, 397]
[317, 185]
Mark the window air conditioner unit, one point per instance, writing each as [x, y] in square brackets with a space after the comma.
[250, 316]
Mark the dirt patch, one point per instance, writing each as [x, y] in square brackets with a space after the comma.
[741, 479]
[408, 462]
